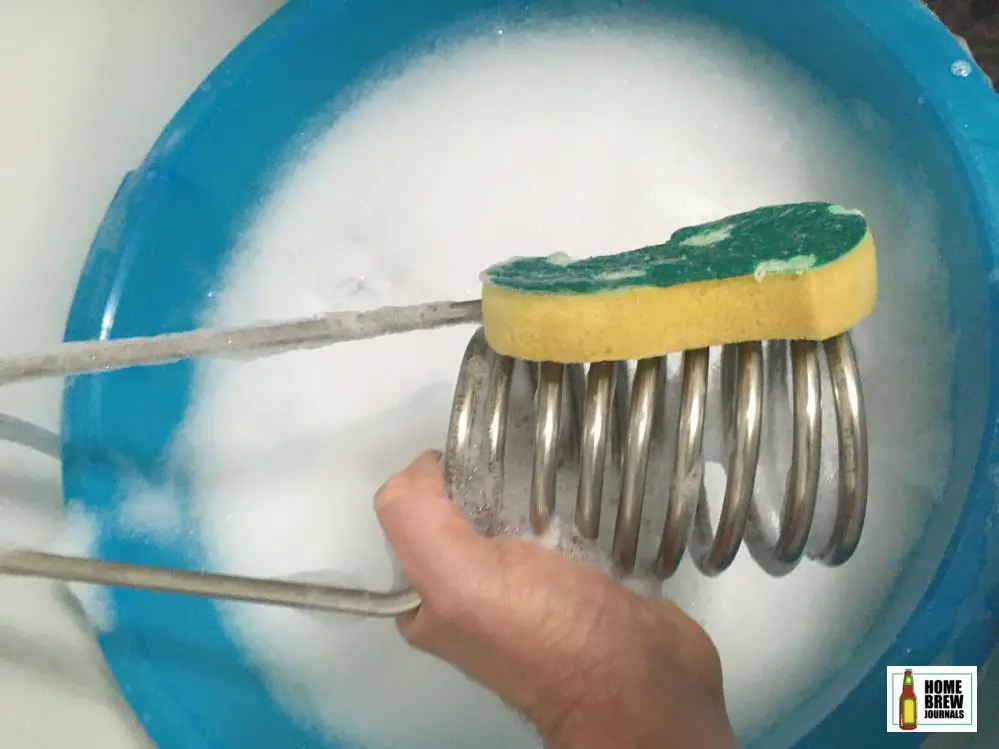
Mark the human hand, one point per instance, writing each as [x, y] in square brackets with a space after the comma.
[589, 663]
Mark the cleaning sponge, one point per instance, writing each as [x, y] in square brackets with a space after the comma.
[797, 271]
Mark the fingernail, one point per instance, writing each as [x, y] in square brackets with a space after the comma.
[429, 458]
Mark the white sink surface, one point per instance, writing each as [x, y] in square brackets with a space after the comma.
[85, 89]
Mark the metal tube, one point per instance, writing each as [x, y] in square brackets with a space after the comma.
[203, 584]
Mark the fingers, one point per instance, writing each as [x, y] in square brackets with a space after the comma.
[428, 532]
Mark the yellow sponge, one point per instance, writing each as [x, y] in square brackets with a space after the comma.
[798, 271]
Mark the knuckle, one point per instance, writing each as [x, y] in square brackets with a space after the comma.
[414, 631]
[424, 632]
[699, 656]
[396, 487]
[447, 607]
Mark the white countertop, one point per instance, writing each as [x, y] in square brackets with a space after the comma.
[85, 89]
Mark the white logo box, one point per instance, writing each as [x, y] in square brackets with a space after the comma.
[946, 698]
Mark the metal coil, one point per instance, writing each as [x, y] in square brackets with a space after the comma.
[584, 411]
[604, 408]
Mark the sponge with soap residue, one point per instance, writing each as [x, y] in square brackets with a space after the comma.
[797, 271]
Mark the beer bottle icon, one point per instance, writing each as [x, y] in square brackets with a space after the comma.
[907, 703]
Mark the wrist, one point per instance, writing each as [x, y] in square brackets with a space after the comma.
[595, 709]
[634, 707]
[606, 723]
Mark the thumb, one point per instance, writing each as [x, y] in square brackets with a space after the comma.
[427, 531]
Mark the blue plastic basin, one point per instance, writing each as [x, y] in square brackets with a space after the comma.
[158, 253]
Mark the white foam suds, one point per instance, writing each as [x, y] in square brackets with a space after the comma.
[72, 531]
[796, 265]
[584, 140]
[79, 538]
[153, 512]
[708, 238]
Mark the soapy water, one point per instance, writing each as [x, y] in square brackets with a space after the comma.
[80, 535]
[584, 139]
[28, 526]
[152, 512]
